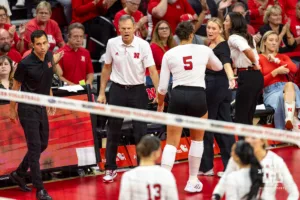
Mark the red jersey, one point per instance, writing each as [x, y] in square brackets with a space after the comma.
[76, 65]
[14, 55]
[267, 67]
[15, 38]
[174, 11]
[84, 10]
[137, 16]
[52, 30]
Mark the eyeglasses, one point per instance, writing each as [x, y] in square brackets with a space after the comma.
[163, 28]
[3, 16]
[134, 4]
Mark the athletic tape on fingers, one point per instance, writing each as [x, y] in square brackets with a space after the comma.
[152, 116]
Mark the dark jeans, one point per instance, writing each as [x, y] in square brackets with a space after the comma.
[218, 98]
[250, 86]
[34, 121]
[135, 97]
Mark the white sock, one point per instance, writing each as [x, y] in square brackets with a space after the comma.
[168, 157]
[195, 155]
[289, 110]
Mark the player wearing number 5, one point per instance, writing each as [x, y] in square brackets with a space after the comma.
[148, 181]
[187, 63]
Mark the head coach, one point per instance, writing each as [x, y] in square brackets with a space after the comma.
[126, 60]
[34, 74]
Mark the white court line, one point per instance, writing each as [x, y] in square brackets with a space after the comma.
[152, 116]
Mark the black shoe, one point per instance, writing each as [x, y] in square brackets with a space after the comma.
[19, 181]
[43, 195]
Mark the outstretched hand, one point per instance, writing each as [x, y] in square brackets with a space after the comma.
[58, 56]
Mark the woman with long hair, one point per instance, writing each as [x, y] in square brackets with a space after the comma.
[245, 59]
[246, 182]
[279, 93]
[272, 166]
[6, 72]
[162, 41]
[218, 97]
[148, 181]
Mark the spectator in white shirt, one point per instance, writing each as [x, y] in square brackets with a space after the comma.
[187, 97]
[148, 181]
[273, 166]
[245, 59]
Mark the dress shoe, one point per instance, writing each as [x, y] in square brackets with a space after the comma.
[43, 195]
[19, 181]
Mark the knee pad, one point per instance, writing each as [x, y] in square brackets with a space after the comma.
[196, 149]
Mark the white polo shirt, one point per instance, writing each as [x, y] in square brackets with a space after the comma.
[237, 45]
[129, 62]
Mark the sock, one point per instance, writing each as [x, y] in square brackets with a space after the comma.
[168, 157]
[289, 110]
[195, 155]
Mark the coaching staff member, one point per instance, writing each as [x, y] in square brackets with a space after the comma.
[127, 58]
[34, 74]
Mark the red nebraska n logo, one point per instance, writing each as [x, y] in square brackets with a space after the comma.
[290, 109]
[151, 93]
[136, 55]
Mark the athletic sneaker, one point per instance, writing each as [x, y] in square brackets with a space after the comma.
[208, 173]
[109, 176]
[196, 187]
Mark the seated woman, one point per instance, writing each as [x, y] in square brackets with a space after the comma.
[273, 22]
[6, 72]
[278, 93]
[162, 41]
[246, 182]
[43, 22]
[272, 166]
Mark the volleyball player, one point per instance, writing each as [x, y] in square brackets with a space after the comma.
[148, 181]
[187, 63]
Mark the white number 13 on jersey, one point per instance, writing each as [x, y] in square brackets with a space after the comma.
[156, 188]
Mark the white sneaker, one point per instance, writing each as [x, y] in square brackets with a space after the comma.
[220, 174]
[208, 173]
[20, 3]
[109, 176]
[196, 187]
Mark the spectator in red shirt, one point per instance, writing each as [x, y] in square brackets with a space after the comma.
[162, 41]
[43, 22]
[132, 10]
[240, 8]
[5, 47]
[76, 63]
[295, 29]
[170, 11]
[279, 93]
[17, 43]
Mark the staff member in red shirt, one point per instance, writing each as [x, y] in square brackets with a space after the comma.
[5, 47]
[279, 93]
[170, 11]
[126, 60]
[76, 64]
[43, 22]
[132, 10]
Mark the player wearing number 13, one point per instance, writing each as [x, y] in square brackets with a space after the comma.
[148, 181]
[187, 63]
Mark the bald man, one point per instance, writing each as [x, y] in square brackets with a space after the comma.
[5, 47]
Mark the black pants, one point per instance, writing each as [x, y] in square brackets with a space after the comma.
[250, 85]
[135, 97]
[218, 98]
[34, 121]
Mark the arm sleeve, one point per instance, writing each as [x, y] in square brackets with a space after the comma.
[164, 76]
[152, 4]
[28, 30]
[254, 12]
[16, 38]
[89, 64]
[224, 54]
[148, 60]
[264, 66]
[238, 42]
[157, 55]
[220, 187]
[231, 187]
[108, 56]
[214, 62]
[20, 72]
[125, 192]
[285, 60]
[288, 181]
[81, 9]
[172, 192]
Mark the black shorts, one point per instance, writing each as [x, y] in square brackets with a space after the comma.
[186, 100]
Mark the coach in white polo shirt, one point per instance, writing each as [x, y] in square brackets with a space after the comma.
[126, 60]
